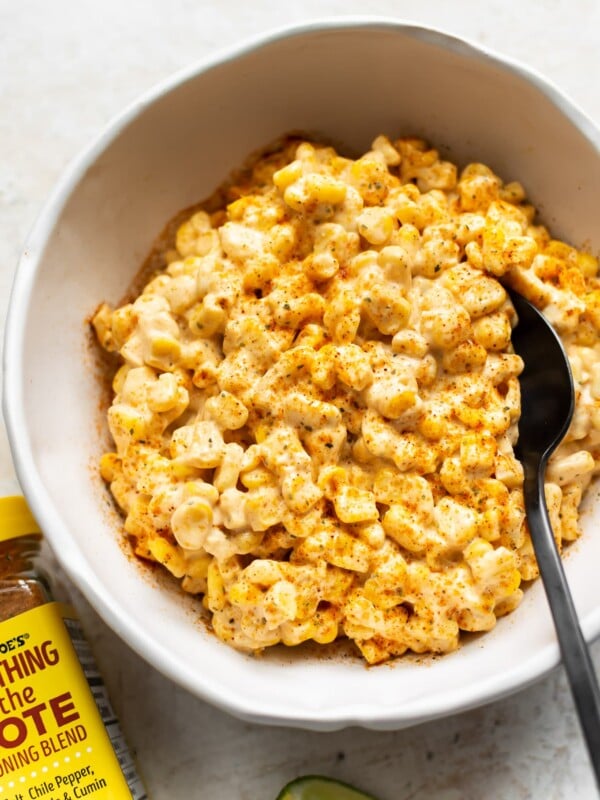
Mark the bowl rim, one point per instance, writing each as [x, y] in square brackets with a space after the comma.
[70, 557]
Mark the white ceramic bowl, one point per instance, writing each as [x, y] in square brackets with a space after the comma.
[348, 81]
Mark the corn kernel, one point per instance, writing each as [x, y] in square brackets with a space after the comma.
[109, 466]
[355, 505]
[376, 225]
[287, 175]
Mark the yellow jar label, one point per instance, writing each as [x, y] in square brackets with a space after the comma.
[54, 744]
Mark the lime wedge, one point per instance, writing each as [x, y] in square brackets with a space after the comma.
[314, 787]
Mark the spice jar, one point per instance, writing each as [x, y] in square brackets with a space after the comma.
[59, 737]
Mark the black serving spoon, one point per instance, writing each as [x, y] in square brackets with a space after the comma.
[547, 403]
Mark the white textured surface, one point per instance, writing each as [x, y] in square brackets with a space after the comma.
[65, 69]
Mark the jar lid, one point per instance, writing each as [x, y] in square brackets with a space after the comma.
[15, 518]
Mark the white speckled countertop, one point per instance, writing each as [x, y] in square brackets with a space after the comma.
[66, 67]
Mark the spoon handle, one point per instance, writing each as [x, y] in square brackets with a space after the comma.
[575, 652]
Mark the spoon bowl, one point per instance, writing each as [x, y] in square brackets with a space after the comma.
[547, 404]
[547, 390]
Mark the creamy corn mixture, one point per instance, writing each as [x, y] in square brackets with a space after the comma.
[315, 415]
